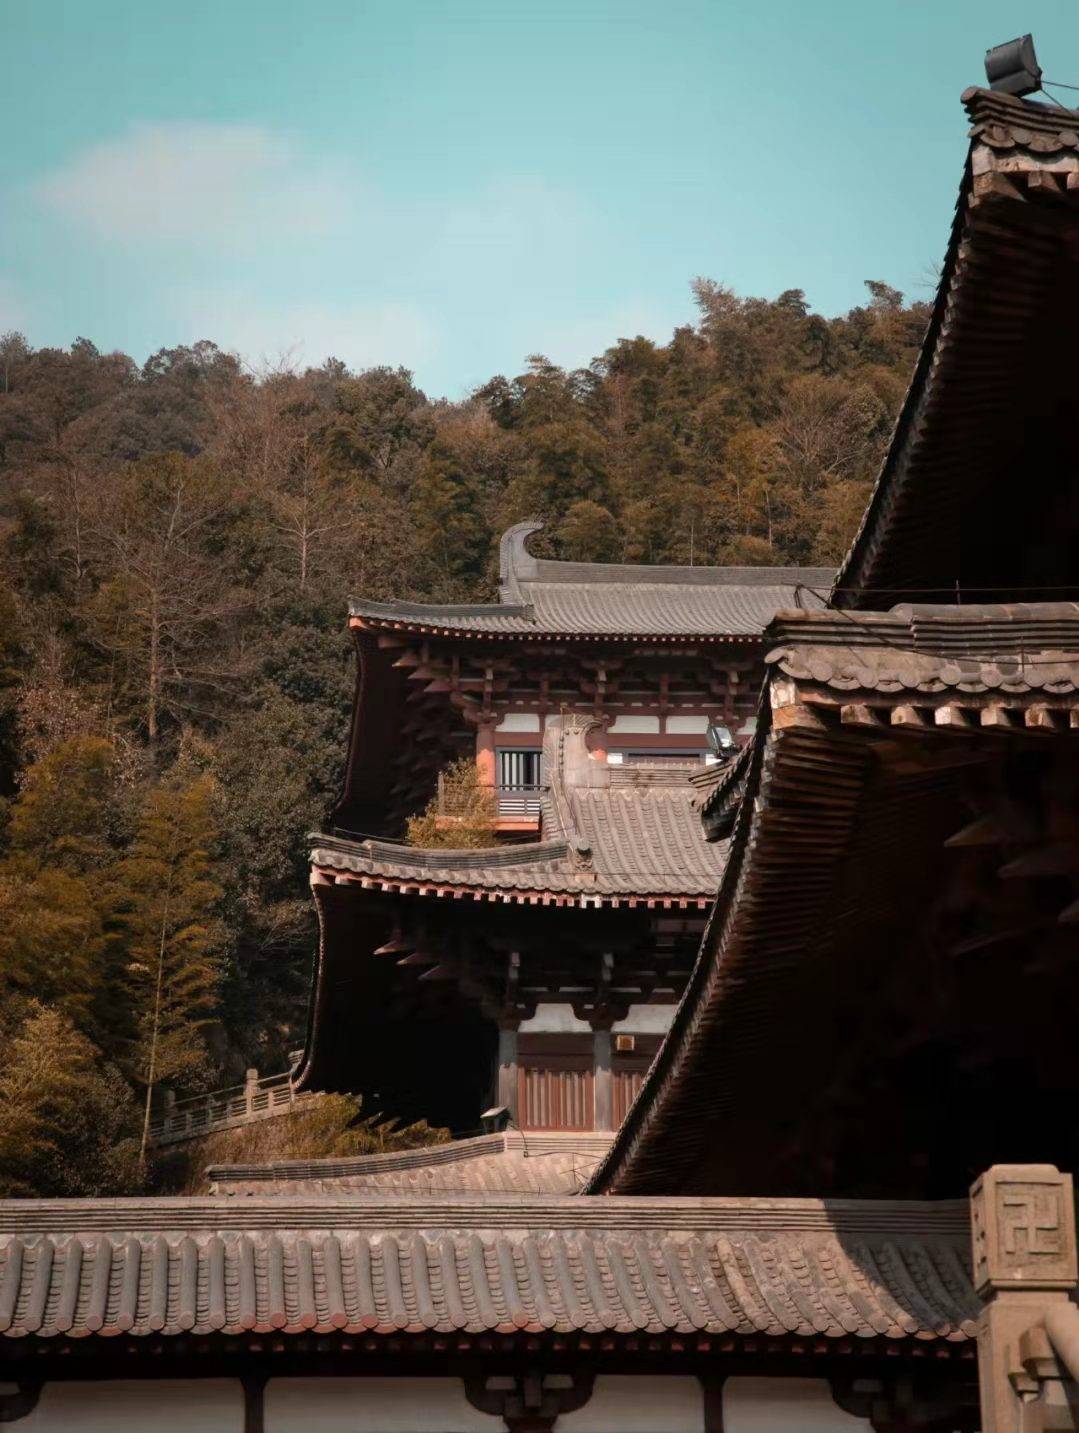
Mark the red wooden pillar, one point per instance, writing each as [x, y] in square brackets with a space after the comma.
[485, 753]
[598, 741]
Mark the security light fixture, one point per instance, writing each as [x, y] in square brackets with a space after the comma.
[495, 1119]
[1013, 68]
[720, 739]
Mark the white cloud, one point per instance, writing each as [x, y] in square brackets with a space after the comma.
[201, 186]
[233, 232]
[269, 335]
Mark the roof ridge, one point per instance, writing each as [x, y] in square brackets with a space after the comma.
[984, 105]
[224, 1213]
[466, 858]
[519, 568]
[457, 1151]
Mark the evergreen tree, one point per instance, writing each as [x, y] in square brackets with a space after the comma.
[64, 809]
[67, 1124]
[171, 936]
[54, 894]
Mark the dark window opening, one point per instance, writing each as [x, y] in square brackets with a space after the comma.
[520, 770]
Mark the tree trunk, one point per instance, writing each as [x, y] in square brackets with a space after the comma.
[154, 693]
[151, 1071]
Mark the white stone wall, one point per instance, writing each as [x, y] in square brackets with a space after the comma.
[784, 1405]
[179, 1405]
[622, 1403]
[558, 1019]
[372, 1405]
[645, 1020]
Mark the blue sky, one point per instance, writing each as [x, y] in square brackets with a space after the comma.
[452, 185]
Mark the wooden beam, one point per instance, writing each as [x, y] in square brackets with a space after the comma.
[1044, 180]
[905, 715]
[1040, 717]
[1070, 914]
[860, 714]
[996, 718]
[1057, 859]
[998, 936]
[798, 717]
[984, 831]
[950, 716]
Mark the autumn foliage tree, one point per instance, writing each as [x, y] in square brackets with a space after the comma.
[178, 541]
[463, 813]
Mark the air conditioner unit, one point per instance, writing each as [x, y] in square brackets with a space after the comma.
[625, 1044]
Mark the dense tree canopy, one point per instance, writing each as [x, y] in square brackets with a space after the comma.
[178, 542]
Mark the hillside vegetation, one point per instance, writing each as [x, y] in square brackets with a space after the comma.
[178, 541]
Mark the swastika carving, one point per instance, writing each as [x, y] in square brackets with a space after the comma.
[1030, 1221]
[1023, 1226]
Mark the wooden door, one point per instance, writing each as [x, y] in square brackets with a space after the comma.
[627, 1074]
[555, 1092]
[625, 1082]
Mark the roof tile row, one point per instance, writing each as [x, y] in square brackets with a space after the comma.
[475, 1280]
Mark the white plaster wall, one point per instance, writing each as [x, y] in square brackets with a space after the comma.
[687, 725]
[372, 1405]
[138, 1406]
[644, 1020]
[621, 1403]
[644, 725]
[784, 1405]
[519, 721]
[553, 1019]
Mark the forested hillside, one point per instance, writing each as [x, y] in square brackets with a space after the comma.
[179, 540]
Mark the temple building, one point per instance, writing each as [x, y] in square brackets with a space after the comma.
[536, 977]
[836, 1200]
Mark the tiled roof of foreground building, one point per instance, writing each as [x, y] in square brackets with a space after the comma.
[610, 834]
[906, 805]
[506, 1163]
[992, 396]
[908, 791]
[538, 597]
[786, 1269]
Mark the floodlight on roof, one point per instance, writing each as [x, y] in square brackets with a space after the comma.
[720, 739]
[1013, 68]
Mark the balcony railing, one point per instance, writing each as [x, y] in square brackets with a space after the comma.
[256, 1099]
[512, 802]
[521, 803]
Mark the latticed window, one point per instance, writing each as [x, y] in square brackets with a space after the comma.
[520, 770]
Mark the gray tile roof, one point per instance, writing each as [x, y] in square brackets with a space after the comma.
[627, 841]
[538, 596]
[927, 650]
[408, 1267]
